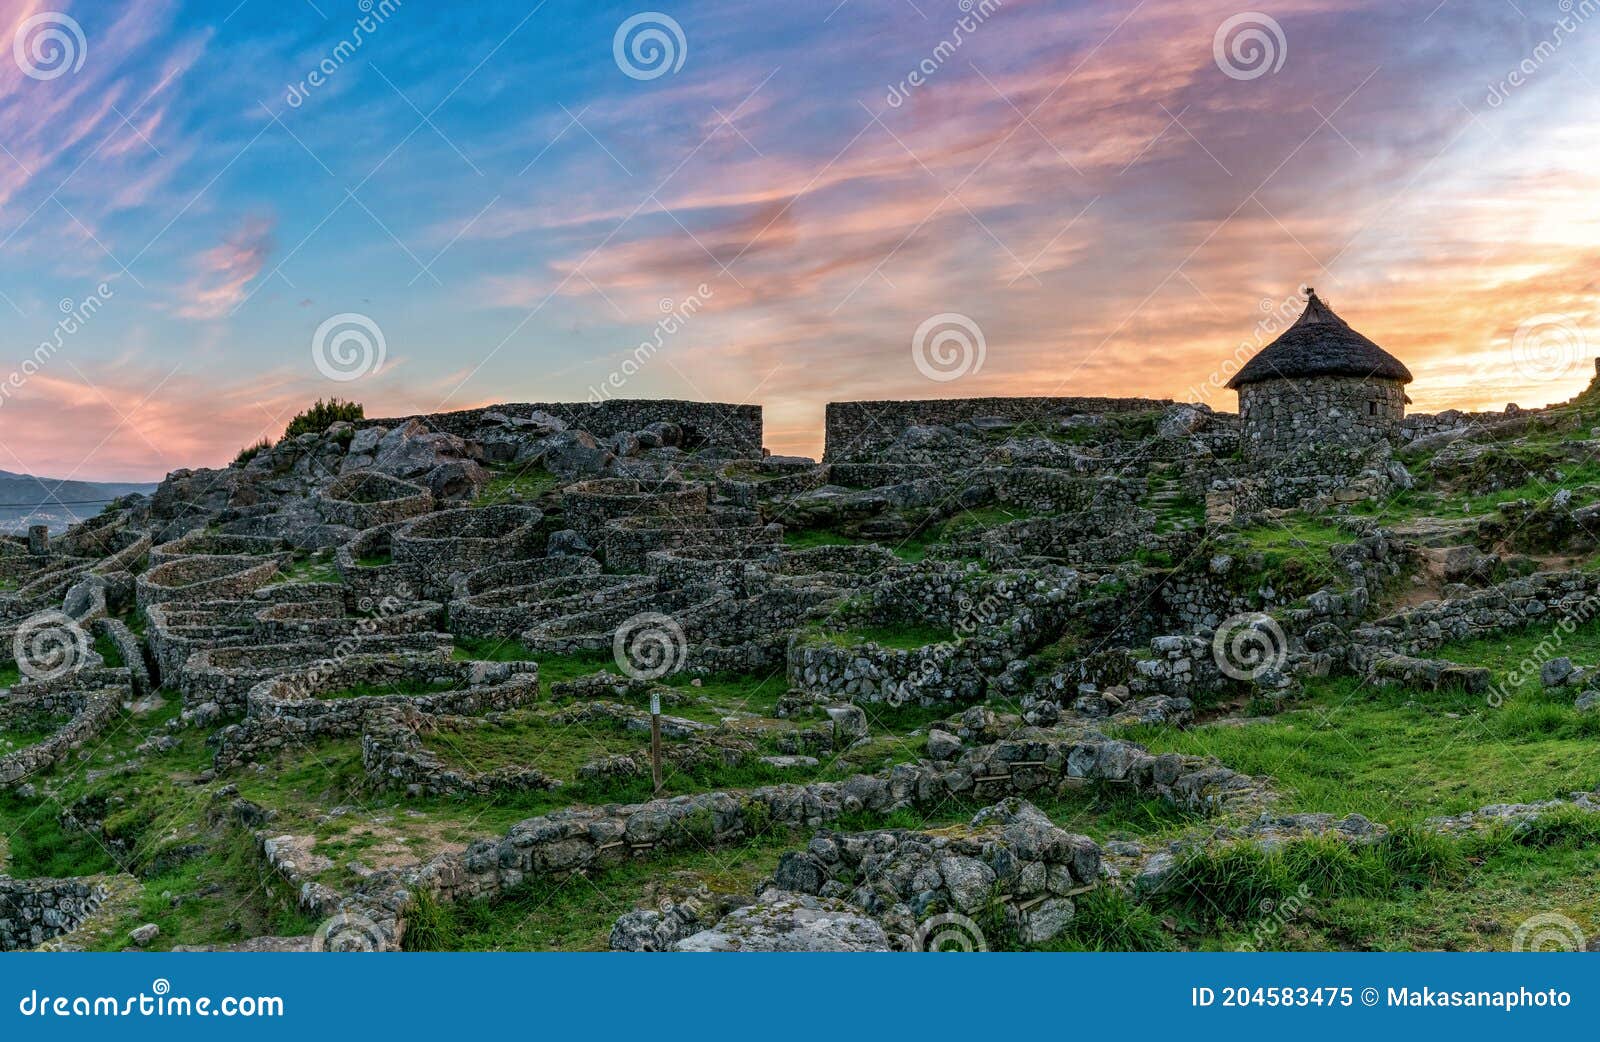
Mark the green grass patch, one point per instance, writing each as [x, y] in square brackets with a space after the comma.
[907, 637]
[107, 649]
[1397, 755]
[515, 486]
[315, 569]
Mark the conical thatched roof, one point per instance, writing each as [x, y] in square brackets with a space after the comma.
[1320, 344]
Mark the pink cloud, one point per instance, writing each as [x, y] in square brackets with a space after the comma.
[226, 269]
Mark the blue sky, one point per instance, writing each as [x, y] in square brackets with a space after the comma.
[1112, 197]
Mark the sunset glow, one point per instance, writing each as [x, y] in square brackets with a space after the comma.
[1085, 181]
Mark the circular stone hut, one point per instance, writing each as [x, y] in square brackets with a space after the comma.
[1319, 385]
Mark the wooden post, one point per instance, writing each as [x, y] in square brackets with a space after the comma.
[655, 743]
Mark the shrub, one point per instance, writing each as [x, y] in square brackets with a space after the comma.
[324, 414]
[250, 452]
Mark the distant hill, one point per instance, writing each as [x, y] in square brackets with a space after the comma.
[27, 500]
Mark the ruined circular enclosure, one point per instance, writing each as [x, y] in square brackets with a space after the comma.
[588, 505]
[364, 499]
[200, 578]
[452, 541]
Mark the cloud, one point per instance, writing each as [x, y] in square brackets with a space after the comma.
[226, 269]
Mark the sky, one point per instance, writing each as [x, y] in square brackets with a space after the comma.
[213, 213]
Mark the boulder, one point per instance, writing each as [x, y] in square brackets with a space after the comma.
[573, 454]
[783, 921]
[1556, 672]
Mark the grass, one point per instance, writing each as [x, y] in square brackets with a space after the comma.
[908, 637]
[911, 549]
[315, 569]
[525, 740]
[1414, 891]
[516, 485]
[21, 734]
[406, 686]
[107, 649]
[221, 897]
[577, 914]
[1396, 756]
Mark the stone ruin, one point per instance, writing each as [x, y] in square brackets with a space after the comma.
[337, 587]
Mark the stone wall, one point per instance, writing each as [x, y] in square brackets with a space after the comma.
[392, 754]
[1287, 417]
[716, 423]
[1010, 854]
[206, 578]
[861, 429]
[289, 711]
[450, 541]
[224, 676]
[367, 498]
[32, 911]
[85, 713]
[591, 838]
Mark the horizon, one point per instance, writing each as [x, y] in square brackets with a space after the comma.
[213, 217]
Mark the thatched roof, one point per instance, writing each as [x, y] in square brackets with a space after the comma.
[1320, 344]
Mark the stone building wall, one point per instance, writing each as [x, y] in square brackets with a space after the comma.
[1282, 417]
[861, 429]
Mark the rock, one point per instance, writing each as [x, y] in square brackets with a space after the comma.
[1555, 672]
[455, 479]
[572, 454]
[86, 599]
[568, 543]
[1587, 701]
[786, 763]
[624, 443]
[143, 935]
[942, 745]
[668, 435]
[787, 922]
[849, 724]
[411, 450]
[1180, 421]
[969, 882]
[1047, 919]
